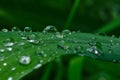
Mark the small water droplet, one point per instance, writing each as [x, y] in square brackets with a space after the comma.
[25, 60]
[23, 36]
[66, 32]
[2, 50]
[10, 78]
[9, 48]
[15, 29]
[9, 42]
[50, 28]
[21, 43]
[37, 66]
[58, 35]
[4, 30]
[4, 64]
[32, 39]
[27, 29]
[39, 52]
[13, 68]
[41, 61]
[93, 50]
[2, 58]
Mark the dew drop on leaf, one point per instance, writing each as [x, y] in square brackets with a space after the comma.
[4, 30]
[10, 78]
[37, 66]
[39, 52]
[15, 29]
[8, 42]
[32, 39]
[27, 29]
[50, 28]
[66, 32]
[58, 35]
[9, 48]
[13, 68]
[23, 36]
[25, 60]
[93, 50]
[2, 50]
[2, 58]
[5, 64]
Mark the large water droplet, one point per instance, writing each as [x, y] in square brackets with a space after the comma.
[10, 78]
[4, 30]
[25, 60]
[27, 29]
[15, 29]
[50, 28]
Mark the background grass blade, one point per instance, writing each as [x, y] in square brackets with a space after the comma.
[75, 69]
[71, 14]
[110, 26]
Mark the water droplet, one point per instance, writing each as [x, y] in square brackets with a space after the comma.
[79, 49]
[41, 61]
[15, 29]
[27, 29]
[50, 28]
[25, 60]
[66, 32]
[4, 30]
[10, 78]
[21, 43]
[23, 36]
[93, 50]
[4, 64]
[2, 50]
[2, 58]
[58, 35]
[32, 39]
[37, 66]
[39, 52]
[9, 48]
[13, 68]
[9, 42]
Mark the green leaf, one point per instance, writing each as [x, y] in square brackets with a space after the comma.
[24, 52]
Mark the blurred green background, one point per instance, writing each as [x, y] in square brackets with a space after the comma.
[89, 16]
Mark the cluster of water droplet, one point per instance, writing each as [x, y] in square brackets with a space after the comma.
[33, 41]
